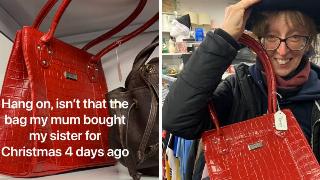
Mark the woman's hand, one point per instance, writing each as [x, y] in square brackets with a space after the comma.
[236, 16]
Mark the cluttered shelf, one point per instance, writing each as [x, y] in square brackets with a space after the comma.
[175, 54]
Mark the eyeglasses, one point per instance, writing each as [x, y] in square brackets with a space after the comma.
[294, 43]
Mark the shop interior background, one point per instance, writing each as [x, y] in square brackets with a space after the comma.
[83, 21]
[206, 14]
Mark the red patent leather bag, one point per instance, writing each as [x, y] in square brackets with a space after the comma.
[43, 68]
[255, 149]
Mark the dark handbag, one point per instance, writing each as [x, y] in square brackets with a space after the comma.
[140, 134]
[43, 68]
[271, 146]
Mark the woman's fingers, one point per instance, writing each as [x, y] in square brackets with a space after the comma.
[245, 4]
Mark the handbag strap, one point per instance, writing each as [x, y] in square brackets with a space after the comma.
[49, 35]
[130, 159]
[140, 61]
[263, 56]
[101, 38]
[134, 160]
[142, 156]
[43, 13]
[142, 57]
[118, 28]
[125, 38]
[266, 63]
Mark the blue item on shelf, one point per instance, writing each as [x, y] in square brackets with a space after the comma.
[199, 33]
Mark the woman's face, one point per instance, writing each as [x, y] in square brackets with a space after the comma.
[284, 60]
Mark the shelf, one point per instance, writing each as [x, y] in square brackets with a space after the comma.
[174, 54]
[169, 13]
[168, 78]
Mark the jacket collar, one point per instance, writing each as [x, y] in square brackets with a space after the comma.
[309, 91]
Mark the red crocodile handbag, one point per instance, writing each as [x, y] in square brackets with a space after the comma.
[43, 68]
[271, 146]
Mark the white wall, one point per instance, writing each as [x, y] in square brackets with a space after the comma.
[5, 49]
[215, 8]
[7, 24]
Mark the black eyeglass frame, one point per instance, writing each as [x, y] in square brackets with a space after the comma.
[285, 42]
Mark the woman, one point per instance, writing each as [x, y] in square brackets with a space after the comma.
[287, 36]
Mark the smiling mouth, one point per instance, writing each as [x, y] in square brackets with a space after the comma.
[283, 61]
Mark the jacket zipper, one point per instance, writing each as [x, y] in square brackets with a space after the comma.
[314, 125]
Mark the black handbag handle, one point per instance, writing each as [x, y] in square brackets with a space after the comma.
[142, 57]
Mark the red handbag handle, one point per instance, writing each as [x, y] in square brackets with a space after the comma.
[48, 36]
[43, 13]
[264, 59]
[118, 28]
[266, 63]
[125, 38]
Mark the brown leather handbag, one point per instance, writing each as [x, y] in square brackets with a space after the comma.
[140, 133]
[271, 146]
